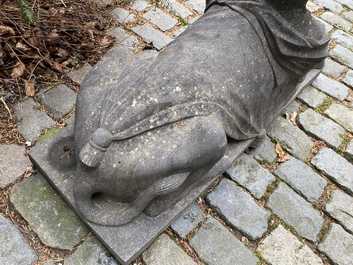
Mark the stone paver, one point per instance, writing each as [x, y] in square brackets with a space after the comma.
[342, 55]
[164, 251]
[122, 38]
[296, 212]
[188, 220]
[342, 115]
[335, 167]
[48, 215]
[197, 5]
[59, 100]
[348, 78]
[336, 20]
[331, 87]
[14, 249]
[333, 68]
[91, 252]
[348, 15]
[160, 19]
[251, 175]
[139, 5]
[215, 245]
[291, 138]
[312, 97]
[343, 38]
[301, 178]
[347, 3]
[330, 5]
[282, 247]
[31, 121]
[180, 9]
[238, 209]
[265, 152]
[321, 127]
[13, 163]
[349, 151]
[79, 74]
[340, 207]
[122, 15]
[150, 35]
[338, 245]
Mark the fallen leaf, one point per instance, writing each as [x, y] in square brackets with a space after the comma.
[349, 98]
[62, 53]
[106, 41]
[282, 155]
[5, 30]
[56, 67]
[22, 47]
[18, 70]
[293, 117]
[29, 87]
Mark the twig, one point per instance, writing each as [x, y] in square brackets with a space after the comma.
[6, 107]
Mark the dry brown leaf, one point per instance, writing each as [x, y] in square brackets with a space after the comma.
[62, 53]
[282, 155]
[106, 41]
[22, 47]
[29, 87]
[18, 70]
[57, 67]
[293, 117]
[5, 30]
[349, 98]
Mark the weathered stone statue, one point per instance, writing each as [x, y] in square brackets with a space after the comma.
[145, 139]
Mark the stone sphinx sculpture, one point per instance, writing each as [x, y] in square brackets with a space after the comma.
[145, 139]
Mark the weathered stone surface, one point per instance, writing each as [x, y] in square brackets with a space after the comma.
[48, 215]
[124, 39]
[13, 163]
[343, 38]
[160, 19]
[292, 107]
[312, 7]
[291, 138]
[91, 252]
[349, 151]
[312, 97]
[336, 20]
[331, 87]
[342, 55]
[14, 249]
[79, 74]
[330, 5]
[215, 245]
[335, 167]
[333, 68]
[296, 212]
[347, 3]
[327, 27]
[265, 152]
[338, 245]
[31, 121]
[122, 15]
[180, 9]
[348, 15]
[139, 5]
[348, 78]
[150, 35]
[238, 209]
[251, 175]
[179, 31]
[165, 251]
[301, 178]
[198, 5]
[342, 115]
[340, 207]
[188, 220]
[59, 100]
[321, 127]
[282, 247]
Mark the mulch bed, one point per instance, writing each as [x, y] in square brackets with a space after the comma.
[65, 35]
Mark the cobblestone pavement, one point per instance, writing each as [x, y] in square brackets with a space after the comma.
[262, 211]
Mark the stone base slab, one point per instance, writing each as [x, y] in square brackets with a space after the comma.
[54, 157]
